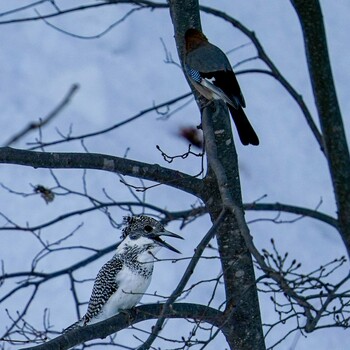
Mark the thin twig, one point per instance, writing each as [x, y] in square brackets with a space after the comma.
[42, 122]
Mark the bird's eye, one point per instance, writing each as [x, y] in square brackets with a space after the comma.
[148, 228]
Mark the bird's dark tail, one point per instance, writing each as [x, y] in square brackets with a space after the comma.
[245, 130]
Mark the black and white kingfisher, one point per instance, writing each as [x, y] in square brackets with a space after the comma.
[122, 281]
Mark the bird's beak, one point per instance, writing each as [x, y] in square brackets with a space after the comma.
[157, 239]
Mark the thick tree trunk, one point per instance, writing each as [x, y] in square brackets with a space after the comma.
[243, 328]
[242, 305]
[337, 151]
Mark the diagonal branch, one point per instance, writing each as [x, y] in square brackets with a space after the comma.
[36, 125]
[69, 138]
[237, 212]
[42, 277]
[181, 285]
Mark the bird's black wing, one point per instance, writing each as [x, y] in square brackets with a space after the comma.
[212, 64]
[104, 287]
[227, 82]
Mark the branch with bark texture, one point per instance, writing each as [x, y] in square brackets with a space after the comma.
[131, 317]
[312, 315]
[56, 160]
[337, 151]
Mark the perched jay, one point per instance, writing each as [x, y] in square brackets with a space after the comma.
[210, 72]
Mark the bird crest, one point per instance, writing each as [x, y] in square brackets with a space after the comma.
[139, 223]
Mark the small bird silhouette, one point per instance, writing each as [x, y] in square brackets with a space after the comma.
[210, 72]
[122, 281]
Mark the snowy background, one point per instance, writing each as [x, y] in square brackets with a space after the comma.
[124, 72]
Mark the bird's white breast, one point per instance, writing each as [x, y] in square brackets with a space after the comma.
[131, 287]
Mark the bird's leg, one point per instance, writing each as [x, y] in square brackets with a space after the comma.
[211, 104]
[203, 102]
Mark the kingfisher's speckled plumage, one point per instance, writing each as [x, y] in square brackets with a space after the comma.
[123, 280]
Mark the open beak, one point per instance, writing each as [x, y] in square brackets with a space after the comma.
[156, 238]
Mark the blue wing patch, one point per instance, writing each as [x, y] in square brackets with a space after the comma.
[194, 74]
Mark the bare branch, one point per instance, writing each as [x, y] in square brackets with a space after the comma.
[152, 172]
[304, 212]
[337, 150]
[126, 319]
[181, 285]
[142, 3]
[36, 125]
[69, 138]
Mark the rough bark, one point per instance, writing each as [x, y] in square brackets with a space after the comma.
[243, 321]
[242, 305]
[124, 320]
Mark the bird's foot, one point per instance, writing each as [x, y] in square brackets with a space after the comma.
[204, 103]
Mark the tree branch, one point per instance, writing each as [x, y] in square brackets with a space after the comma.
[337, 151]
[306, 212]
[141, 3]
[123, 320]
[182, 284]
[236, 262]
[36, 125]
[152, 172]
[69, 138]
